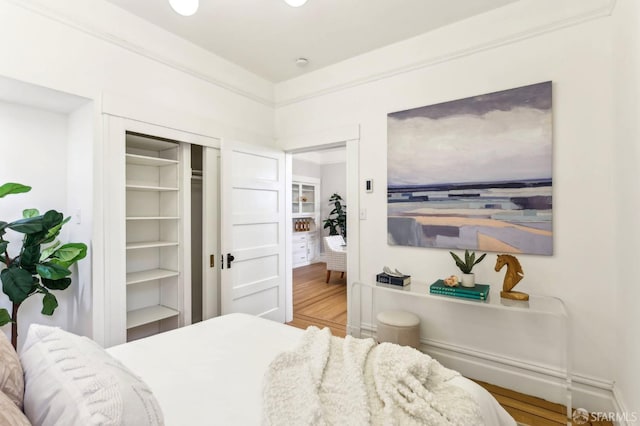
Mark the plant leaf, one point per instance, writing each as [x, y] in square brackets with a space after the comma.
[3, 246]
[69, 254]
[13, 188]
[29, 257]
[480, 259]
[52, 271]
[49, 304]
[60, 284]
[17, 283]
[5, 318]
[55, 230]
[27, 213]
[49, 251]
[30, 225]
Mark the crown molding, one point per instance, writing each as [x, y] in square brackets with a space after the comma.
[48, 12]
[589, 15]
[138, 49]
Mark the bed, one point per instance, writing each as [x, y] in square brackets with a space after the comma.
[212, 372]
[236, 369]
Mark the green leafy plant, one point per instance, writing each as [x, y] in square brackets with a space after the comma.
[42, 263]
[337, 220]
[469, 261]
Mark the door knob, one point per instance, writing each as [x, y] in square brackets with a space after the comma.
[230, 258]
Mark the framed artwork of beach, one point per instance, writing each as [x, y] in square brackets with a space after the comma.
[474, 173]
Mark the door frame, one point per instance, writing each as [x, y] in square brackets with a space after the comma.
[349, 137]
[111, 298]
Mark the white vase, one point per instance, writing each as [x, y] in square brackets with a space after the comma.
[468, 280]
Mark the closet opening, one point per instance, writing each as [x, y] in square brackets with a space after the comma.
[172, 230]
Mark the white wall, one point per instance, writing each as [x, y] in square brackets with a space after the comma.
[529, 46]
[305, 168]
[35, 143]
[96, 50]
[627, 138]
[131, 69]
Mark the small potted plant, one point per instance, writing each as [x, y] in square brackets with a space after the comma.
[337, 220]
[466, 266]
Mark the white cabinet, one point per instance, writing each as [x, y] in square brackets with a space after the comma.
[304, 248]
[154, 236]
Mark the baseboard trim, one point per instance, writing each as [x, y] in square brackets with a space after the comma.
[620, 407]
[547, 382]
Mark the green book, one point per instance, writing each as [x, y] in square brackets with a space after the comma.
[458, 295]
[479, 290]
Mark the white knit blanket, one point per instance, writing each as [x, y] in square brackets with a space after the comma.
[333, 381]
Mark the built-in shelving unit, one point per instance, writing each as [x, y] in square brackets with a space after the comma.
[154, 235]
[304, 197]
[306, 220]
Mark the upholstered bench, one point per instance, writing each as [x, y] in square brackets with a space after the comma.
[399, 327]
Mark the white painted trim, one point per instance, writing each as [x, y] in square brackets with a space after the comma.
[114, 233]
[288, 229]
[173, 120]
[98, 236]
[620, 405]
[548, 27]
[101, 34]
[306, 179]
[353, 219]
[98, 33]
[111, 290]
[349, 136]
[322, 139]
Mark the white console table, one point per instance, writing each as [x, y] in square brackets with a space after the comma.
[520, 345]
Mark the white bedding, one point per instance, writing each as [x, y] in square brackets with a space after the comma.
[212, 372]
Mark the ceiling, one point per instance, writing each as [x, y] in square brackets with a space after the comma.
[267, 36]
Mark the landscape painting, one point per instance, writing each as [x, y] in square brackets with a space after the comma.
[474, 173]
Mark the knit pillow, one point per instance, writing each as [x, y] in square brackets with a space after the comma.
[11, 380]
[71, 380]
[10, 414]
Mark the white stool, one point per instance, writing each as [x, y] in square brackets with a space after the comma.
[399, 327]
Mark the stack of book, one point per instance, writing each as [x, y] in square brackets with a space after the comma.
[394, 280]
[477, 292]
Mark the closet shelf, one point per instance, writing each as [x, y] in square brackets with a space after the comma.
[153, 217]
[150, 244]
[149, 314]
[151, 188]
[143, 160]
[149, 275]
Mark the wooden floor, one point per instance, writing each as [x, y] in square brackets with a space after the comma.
[325, 305]
[317, 303]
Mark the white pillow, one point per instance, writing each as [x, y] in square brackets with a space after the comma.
[71, 380]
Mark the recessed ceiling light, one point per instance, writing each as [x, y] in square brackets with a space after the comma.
[302, 62]
[185, 7]
[295, 3]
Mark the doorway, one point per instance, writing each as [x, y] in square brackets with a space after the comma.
[319, 278]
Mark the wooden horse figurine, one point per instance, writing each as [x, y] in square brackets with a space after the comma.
[512, 277]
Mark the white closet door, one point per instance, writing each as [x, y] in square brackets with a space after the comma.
[253, 231]
[210, 235]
